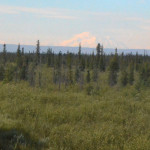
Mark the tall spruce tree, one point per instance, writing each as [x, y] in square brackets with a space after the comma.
[92, 60]
[69, 62]
[38, 53]
[113, 70]
[19, 58]
[102, 59]
[82, 64]
[79, 53]
[59, 66]
[49, 57]
[98, 49]
[24, 69]
[4, 53]
[77, 74]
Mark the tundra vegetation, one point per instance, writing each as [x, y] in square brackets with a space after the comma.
[69, 101]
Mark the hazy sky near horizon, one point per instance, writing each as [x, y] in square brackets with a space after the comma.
[114, 23]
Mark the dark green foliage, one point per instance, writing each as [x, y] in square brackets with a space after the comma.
[69, 60]
[102, 60]
[114, 64]
[113, 70]
[58, 71]
[88, 77]
[19, 58]
[49, 57]
[70, 73]
[95, 74]
[2, 72]
[9, 73]
[89, 89]
[92, 61]
[11, 139]
[79, 53]
[70, 77]
[137, 62]
[24, 69]
[124, 78]
[82, 64]
[131, 74]
[77, 75]
[22, 65]
[31, 74]
[54, 76]
[102, 63]
[69, 68]
[23, 73]
[59, 61]
[88, 63]
[145, 73]
[4, 54]
[98, 49]
[112, 78]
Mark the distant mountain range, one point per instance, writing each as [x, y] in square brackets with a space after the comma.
[56, 49]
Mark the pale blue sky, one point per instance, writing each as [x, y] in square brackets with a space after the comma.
[115, 23]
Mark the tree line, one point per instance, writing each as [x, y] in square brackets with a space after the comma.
[69, 68]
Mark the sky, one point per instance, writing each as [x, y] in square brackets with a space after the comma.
[114, 23]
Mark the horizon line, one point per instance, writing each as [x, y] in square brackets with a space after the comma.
[75, 46]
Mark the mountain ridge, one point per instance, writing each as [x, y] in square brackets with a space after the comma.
[64, 49]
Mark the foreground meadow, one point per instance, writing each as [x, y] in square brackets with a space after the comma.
[113, 119]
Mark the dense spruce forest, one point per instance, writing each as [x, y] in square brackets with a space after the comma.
[56, 101]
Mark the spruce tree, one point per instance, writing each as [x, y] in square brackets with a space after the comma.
[49, 57]
[9, 73]
[102, 59]
[145, 73]
[59, 64]
[2, 72]
[24, 69]
[79, 53]
[102, 63]
[112, 78]
[4, 54]
[88, 77]
[137, 62]
[77, 75]
[69, 62]
[82, 64]
[113, 70]
[124, 78]
[92, 60]
[19, 58]
[98, 49]
[88, 63]
[131, 74]
[38, 53]
[31, 74]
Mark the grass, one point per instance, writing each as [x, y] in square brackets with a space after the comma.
[114, 119]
